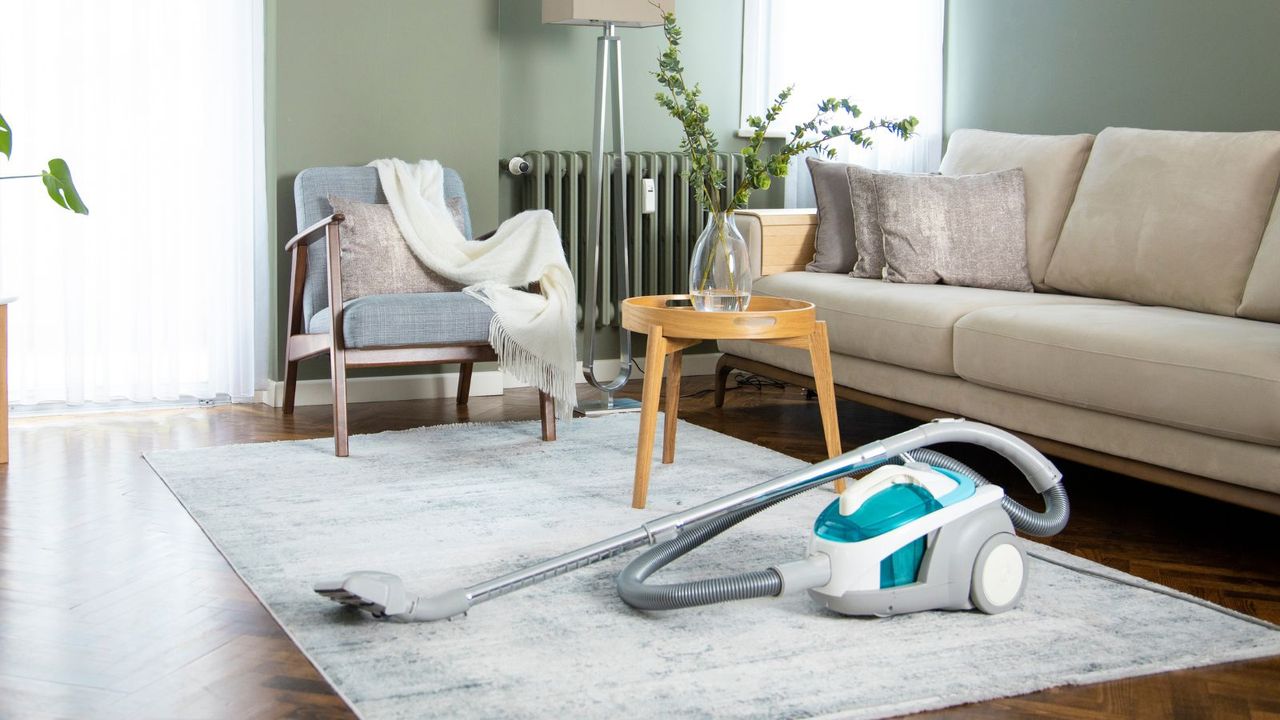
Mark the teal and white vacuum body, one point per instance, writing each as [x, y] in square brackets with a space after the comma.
[916, 537]
[919, 531]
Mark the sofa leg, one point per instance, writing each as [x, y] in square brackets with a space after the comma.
[547, 413]
[722, 376]
[464, 382]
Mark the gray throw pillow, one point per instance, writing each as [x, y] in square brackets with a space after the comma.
[833, 250]
[376, 260]
[958, 230]
[868, 238]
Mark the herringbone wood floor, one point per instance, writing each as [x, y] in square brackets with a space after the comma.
[114, 604]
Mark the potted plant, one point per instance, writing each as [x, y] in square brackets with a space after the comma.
[720, 271]
[57, 178]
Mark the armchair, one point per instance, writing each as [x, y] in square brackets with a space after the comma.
[375, 330]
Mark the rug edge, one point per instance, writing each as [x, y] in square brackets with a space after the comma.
[351, 705]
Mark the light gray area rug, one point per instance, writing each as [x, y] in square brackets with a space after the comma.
[454, 505]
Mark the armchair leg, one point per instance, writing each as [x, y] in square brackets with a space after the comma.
[547, 413]
[338, 371]
[290, 386]
[464, 382]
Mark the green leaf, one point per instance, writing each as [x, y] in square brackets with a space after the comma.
[6, 137]
[57, 180]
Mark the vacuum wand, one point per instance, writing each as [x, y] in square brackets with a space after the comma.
[383, 595]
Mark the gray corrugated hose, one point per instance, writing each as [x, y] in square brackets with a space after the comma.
[1057, 509]
[763, 583]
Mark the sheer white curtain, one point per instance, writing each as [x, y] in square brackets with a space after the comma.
[156, 106]
[887, 56]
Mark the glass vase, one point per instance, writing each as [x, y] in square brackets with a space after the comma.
[720, 270]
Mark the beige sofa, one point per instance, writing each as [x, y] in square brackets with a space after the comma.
[1151, 345]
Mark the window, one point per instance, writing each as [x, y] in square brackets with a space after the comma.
[157, 107]
[886, 56]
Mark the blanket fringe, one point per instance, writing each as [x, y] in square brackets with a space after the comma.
[527, 367]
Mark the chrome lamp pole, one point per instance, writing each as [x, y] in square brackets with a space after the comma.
[608, 93]
[608, 101]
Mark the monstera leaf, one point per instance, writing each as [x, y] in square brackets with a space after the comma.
[6, 137]
[57, 180]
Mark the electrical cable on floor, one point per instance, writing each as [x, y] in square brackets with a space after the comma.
[742, 380]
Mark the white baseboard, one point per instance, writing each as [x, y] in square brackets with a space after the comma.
[445, 385]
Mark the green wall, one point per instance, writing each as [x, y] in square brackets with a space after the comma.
[348, 82]
[548, 75]
[1063, 66]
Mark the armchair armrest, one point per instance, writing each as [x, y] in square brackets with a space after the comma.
[312, 234]
[778, 240]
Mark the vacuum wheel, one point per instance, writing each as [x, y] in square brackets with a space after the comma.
[999, 575]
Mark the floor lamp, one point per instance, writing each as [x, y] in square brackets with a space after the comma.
[609, 15]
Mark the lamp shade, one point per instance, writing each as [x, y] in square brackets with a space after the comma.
[624, 13]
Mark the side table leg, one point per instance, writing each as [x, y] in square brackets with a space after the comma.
[672, 408]
[722, 377]
[820, 356]
[655, 355]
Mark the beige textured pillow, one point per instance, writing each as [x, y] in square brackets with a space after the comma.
[375, 258]
[968, 230]
[1168, 218]
[868, 240]
[1051, 167]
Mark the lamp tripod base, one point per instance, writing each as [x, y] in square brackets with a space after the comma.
[606, 405]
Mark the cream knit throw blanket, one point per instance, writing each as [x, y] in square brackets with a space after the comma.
[534, 334]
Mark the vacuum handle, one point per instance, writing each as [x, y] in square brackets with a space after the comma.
[1034, 465]
[1039, 471]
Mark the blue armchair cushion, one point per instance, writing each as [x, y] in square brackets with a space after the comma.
[438, 318]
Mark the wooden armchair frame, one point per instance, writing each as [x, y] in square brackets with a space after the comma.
[302, 345]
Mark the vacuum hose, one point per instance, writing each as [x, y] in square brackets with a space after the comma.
[765, 583]
[1057, 510]
[759, 583]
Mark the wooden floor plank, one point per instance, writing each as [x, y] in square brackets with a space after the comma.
[114, 604]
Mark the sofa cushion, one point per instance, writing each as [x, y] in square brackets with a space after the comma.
[967, 230]
[1201, 372]
[905, 325]
[833, 246]
[1262, 291]
[868, 238]
[1051, 167]
[438, 318]
[1168, 218]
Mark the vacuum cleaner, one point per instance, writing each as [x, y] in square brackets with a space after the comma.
[919, 531]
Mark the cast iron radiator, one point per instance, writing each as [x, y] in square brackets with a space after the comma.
[660, 242]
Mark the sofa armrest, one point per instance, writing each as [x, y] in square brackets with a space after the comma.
[778, 240]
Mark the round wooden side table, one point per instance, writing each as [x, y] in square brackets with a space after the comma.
[672, 328]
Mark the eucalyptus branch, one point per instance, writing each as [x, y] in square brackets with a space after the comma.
[699, 142]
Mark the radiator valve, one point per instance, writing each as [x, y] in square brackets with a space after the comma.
[518, 165]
